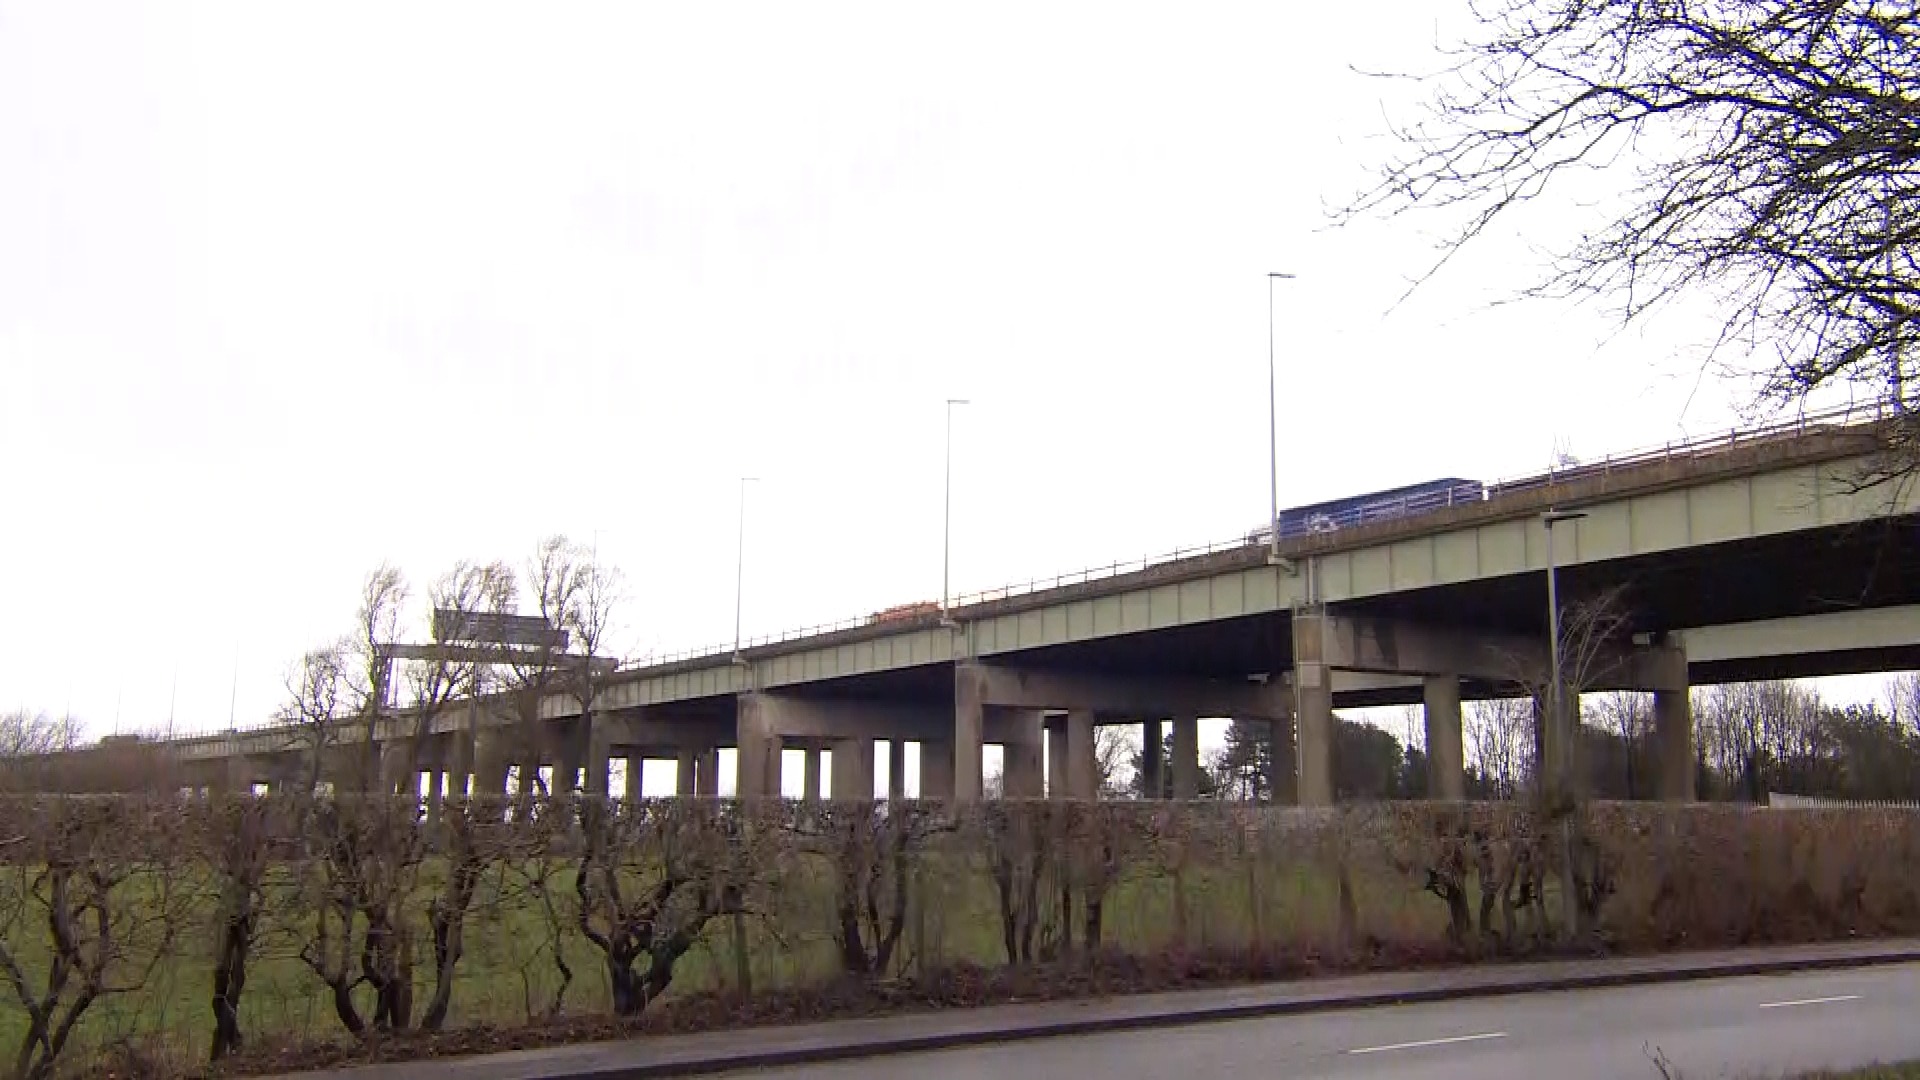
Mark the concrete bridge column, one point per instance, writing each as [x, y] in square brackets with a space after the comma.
[969, 731]
[636, 777]
[936, 769]
[397, 772]
[1152, 784]
[706, 774]
[1446, 754]
[896, 770]
[1186, 757]
[1282, 777]
[757, 738]
[685, 782]
[599, 760]
[1022, 752]
[810, 776]
[852, 777]
[1673, 723]
[1313, 709]
[436, 794]
[490, 763]
[1057, 757]
[566, 768]
[459, 759]
[1083, 772]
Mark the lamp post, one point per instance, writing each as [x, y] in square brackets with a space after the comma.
[1560, 769]
[740, 564]
[1273, 427]
[946, 543]
[1555, 690]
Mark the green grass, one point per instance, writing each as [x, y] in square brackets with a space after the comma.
[508, 976]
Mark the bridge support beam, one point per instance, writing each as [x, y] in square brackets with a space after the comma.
[1313, 706]
[1083, 773]
[936, 769]
[1152, 784]
[810, 773]
[852, 769]
[636, 785]
[756, 728]
[1446, 752]
[1186, 757]
[896, 769]
[1056, 757]
[969, 730]
[1021, 745]
[1672, 721]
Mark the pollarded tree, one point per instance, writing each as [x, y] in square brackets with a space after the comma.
[1776, 170]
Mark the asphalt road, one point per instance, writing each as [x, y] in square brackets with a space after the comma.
[1748, 1027]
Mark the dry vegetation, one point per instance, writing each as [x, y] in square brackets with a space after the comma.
[244, 935]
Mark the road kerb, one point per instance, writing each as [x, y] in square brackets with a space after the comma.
[809, 1051]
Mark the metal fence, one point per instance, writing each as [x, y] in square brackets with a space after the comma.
[1780, 801]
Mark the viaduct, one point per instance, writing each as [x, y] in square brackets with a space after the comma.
[1769, 554]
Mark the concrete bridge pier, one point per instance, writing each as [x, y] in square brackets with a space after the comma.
[936, 769]
[896, 769]
[852, 779]
[1186, 757]
[1665, 665]
[1023, 747]
[1152, 784]
[1446, 750]
[810, 773]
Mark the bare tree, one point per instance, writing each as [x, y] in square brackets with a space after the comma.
[451, 667]
[1772, 144]
[1627, 714]
[317, 708]
[589, 593]
[1498, 736]
[109, 912]
[555, 580]
[1903, 700]
[376, 627]
[27, 732]
[1113, 750]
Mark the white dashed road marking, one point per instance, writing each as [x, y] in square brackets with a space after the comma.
[1810, 1001]
[1430, 1042]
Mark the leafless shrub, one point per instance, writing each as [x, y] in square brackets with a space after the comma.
[649, 877]
[87, 876]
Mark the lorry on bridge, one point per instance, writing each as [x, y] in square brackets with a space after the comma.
[1374, 506]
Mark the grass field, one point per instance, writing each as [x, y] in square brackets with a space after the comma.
[508, 975]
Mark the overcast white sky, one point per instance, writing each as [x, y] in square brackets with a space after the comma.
[290, 289]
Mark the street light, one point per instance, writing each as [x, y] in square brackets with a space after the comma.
[740, 564]
[946, 552]
[1555, 692]
[1273, 426]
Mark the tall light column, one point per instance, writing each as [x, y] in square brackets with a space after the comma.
[740, 564]
[1559, 767]
[1273, 425]
[946, 544]
[1559, 727]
